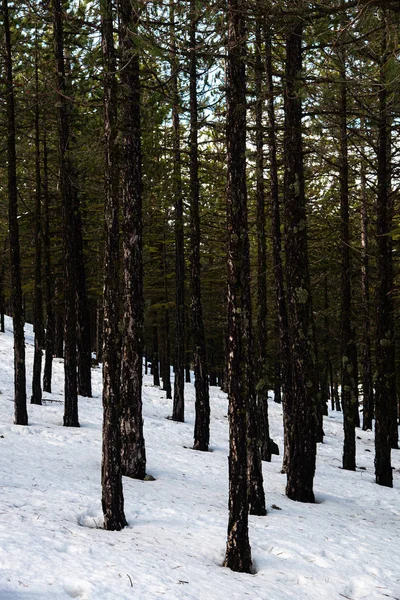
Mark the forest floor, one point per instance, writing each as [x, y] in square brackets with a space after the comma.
[52, 545]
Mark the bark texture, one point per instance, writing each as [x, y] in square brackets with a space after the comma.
[133, 447]
[111, 471]
[348, 384]
[300, 405]
[238, 552]
[261, 350]
[384, 307]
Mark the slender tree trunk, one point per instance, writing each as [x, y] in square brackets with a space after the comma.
[48, 279]
[2, 299]
[202, 402]
[111, 472]
[384, 306]
[347, 341]
[301, 433]
[67, 195]
[394, 420]
[99, 334]
[84, 337]
[58, 324]
[336, 389]
[20, 411]
[178, 411]
[261, 351]
[133, 447]
[327, 358]
[166, 362]
[38, 327]
[284, 364]
[155, 368]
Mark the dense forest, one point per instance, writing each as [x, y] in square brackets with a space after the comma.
[212, 187]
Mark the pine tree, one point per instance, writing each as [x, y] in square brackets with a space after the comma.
[21, 415]
[112, 494]
[133, 447]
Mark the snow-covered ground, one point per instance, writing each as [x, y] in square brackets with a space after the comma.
[52, 545]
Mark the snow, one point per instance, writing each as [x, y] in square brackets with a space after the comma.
[52, 545]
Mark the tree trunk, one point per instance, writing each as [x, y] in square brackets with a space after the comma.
[111, 472]
[166, 362]
[238, 552]
[58, 325]
[346, 337]
[384, 307]
[394, 421]
[48, 283]
[283, 365]
[38, 327]
[301, 418]
[20, 411]
[99, 334]
[202, 401]
[261, 351]
[178, 411]
[2, 299]
[133, 447]
[154, 362]
[67, 196]
[84, 337]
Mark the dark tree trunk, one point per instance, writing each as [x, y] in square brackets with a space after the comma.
[67, 196]
[320, 406]
[394, 421]
[283, 365]
[166, 355]
[346, 332]
[336, 391]
[2, 299]
[99, 334]
[261, 351]
[48, 279]
[301, 408]
[154, 362]
[38, 327]
[58, 326]
[332, 386]
[133, 447]
[20, 411]
[238, 553]
[325, 383]
[178, 411]
[84, 337]
[202, 402]
[111, 472]
[384, 305]
[366, 360]
[354, 362]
